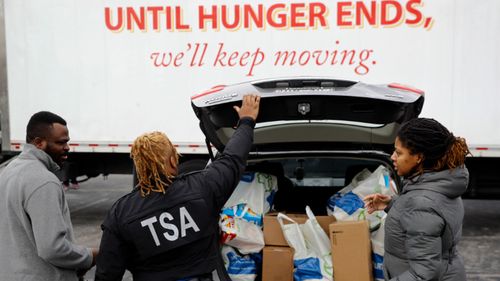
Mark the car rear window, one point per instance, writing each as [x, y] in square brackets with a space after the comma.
[325, 172]
[311, 181]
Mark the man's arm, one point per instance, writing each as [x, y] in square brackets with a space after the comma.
[45, 208]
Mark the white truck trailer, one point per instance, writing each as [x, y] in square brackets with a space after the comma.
[115, 69]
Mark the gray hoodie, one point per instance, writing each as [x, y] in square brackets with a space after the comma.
[36, 236]
[423, 227]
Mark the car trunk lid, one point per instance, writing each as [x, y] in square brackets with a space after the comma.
[309, 113]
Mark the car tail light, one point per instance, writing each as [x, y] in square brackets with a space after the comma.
[405, 88]
[212, 90]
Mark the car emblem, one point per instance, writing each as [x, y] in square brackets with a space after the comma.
[221, 98]
[304, 108]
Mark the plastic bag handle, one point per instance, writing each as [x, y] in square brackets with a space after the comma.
[280, 217]
[310, 214]
[296, 240]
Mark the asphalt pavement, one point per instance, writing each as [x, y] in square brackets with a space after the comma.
[480, 245]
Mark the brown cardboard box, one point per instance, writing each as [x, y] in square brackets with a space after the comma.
[351, 251]
[277, 264]
[273, 235]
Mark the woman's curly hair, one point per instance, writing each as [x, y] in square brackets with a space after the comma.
[151, 153]
[441, 150]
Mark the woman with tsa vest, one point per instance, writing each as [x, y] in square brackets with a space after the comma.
[167, 228]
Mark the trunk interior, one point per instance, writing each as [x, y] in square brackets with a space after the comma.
[312, 180]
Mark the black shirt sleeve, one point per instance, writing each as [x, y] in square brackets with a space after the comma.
[224, 173]
[111, 260]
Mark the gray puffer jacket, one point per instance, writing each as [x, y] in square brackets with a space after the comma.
[424, 226]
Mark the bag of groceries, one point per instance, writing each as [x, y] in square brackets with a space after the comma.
[256, 191]
[240, 267]
[348, 205]
[245, 236]
[377, 239]
[312, 257]
[241, 217]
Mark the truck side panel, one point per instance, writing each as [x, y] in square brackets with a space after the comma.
[116, 69]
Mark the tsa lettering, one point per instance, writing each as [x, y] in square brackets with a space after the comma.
[172, 230]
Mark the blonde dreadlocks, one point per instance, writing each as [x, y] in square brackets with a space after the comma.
[151, 153]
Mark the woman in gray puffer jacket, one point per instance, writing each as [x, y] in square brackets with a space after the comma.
[424, 223]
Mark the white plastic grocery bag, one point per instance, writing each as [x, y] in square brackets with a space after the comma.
[245, 236]
[255, 190]
[315, 237]
[312, 258]
[241, 217]
[377, 239]
[347, 190]
[348, 205]
[378, 182]
[239, 267]
[243, 211]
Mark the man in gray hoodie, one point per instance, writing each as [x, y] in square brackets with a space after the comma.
[36, 235]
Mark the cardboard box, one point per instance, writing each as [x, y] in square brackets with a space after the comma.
[351, 251]
[277, 264]
[273, 235]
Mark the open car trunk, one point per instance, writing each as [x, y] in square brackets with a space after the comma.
[313, 134]
[299, 114]
[311, 179]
